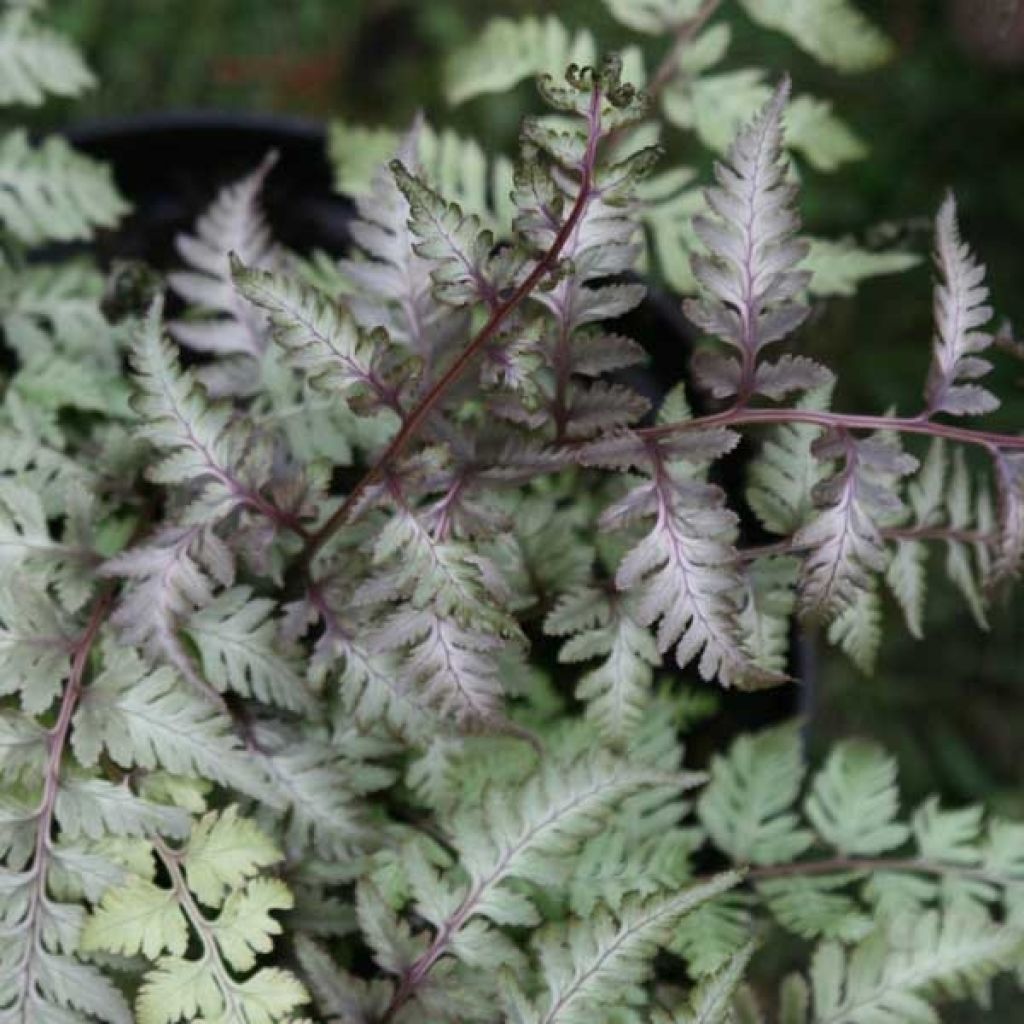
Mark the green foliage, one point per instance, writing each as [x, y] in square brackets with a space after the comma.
[275, 710]
[215, 869]
[696, 95]
[36, 61]
[51, 193]
[834, 31]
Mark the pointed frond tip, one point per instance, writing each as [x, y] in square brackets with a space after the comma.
[750, 275]
[457, 248]
[960, 314]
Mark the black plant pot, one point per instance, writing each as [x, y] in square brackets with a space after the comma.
[170, 166]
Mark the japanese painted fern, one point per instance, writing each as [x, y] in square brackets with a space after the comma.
[280, 738]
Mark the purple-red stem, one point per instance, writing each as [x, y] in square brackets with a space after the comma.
[416, 418]
[56, 744]
[840, 421]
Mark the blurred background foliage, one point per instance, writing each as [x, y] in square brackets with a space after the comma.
[947, 111]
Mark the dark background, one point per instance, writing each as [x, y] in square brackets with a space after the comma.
[948, 111]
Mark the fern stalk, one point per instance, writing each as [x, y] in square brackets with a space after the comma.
[789, 545]
[737, 415]
[57, 743]
[668, 69]
[910, 865]
[171, 861]
[417, 416]
[422, 966]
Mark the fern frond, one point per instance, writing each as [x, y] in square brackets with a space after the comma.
[35, 639]
[683, 573]
[147, 719]
[320, 789]
[654, 17]
[765, 617]
[452, 667]
[319, 338]
[453, 243]
[446, 574]
[216, 868]
[94, 808]
[36, 61]
[845, 542]
[784, 473]
[751, 274]
[509, 51]
[233, 224]
[25, 540]
[854, 801]
[711, 1001]
[336, 992]
[713, 934]
[529, 832]
[748, 806]
[170, 580]
[203, 441]
[816, 906]
[603, 963]
[48, 311]
[390, 284]
[637, 857]
[51, 193]
[832, 31]
[966, 509]
[857, 627]
[960, 311]
[906, 576]
[369, 683]
[617, 691]
[241, 649]
[891, 982]
[555, 810]
[1010, 480]
[224, 851]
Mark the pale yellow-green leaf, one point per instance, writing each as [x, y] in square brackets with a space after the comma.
[179, 989]
[270, 994]
[138, 917]
[244, 926]
[224, 851]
